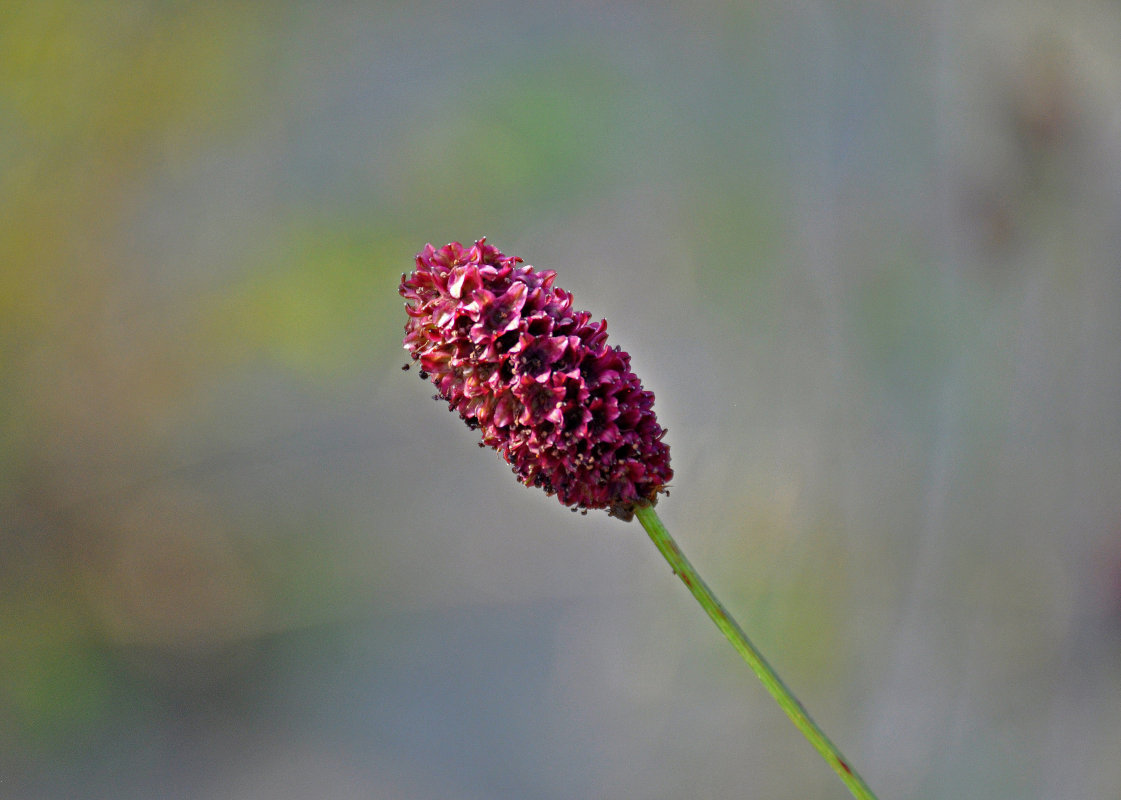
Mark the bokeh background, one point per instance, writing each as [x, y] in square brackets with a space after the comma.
[867, 254]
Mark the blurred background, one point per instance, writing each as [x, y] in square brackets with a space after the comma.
[866, 254]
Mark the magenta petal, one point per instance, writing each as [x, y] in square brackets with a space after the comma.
[463, 280]
[504, 314]
[504, 410]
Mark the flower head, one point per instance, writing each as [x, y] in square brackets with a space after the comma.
[506, 350]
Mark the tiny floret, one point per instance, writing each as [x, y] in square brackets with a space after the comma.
[506, 350]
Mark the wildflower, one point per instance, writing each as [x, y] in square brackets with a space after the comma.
[506, 350]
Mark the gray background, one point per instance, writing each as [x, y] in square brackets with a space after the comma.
[864, 253]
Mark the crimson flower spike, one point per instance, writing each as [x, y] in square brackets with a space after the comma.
[506, 350]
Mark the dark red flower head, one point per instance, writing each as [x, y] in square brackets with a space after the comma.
[505, 348]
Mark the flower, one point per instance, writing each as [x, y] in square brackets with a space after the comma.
[506, 350]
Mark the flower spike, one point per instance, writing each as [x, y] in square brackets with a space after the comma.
[506, 350]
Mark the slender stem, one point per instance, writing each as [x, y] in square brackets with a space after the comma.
[786, 699]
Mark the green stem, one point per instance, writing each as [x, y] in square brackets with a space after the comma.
[689, 576]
